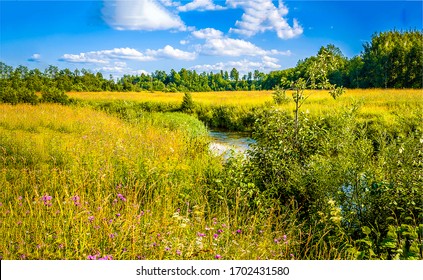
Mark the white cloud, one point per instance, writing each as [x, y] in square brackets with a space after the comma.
[118, 69]
[207, 33]
[184, 42]
[140, 15]
[105, 56]
[35, 57]
[262, 15]
[170, 3]
[200, 5]
[170, 52]
[243, 66]
[116, 56]
[217, 44]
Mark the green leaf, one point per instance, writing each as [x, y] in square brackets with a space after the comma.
[366, 230]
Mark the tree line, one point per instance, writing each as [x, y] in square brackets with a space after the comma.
[392, 59]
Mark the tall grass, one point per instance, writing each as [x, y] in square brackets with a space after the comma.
[81, 184]
[235, 110]
[135, 180]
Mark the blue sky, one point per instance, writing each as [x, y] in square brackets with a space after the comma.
[129, 37]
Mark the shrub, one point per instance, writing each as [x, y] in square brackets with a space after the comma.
[54, 95]
[187, 103]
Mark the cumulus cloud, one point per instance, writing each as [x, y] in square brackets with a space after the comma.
[200, 5]
[262, 15]
[105, 56]
[217, 44]
[118, 54]
[243, 66]
[36, 57]
[140, 15]
[170, 52]
[119, 68]
[207, 33]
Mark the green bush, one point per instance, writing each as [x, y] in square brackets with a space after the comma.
[20, 95]
[54, 95]
[187, 103]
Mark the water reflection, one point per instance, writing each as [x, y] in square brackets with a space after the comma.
[225, 143]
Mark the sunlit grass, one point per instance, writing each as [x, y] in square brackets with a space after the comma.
[206, 98]
[80, 184]
[371, 100]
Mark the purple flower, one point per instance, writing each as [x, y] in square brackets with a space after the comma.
[167, 249]
[118, 215]
[215, 236]
[75, 200]
[276, 240]
[219, 230]
[46, 199]
[238, 231]
[201, 234]
[178, 252]
[284, 237]
[217, 256]
[107, 257]
[121, 197]
[20, 198]
[91, 218]
[112, 235]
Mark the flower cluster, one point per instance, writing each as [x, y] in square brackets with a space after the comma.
[99, 257]
[121, 197]
[46, 200]
[75, 200]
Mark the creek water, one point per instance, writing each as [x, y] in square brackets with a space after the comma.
[225, 143]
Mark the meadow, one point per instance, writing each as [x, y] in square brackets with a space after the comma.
[110, 178]
[234, 110]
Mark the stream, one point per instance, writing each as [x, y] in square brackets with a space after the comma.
[225, 142]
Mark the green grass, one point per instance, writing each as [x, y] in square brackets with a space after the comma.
[234, 110]
[127, 177]
[78, 184]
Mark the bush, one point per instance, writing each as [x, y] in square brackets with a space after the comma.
[279, 96]
[339, 181]
[187, 103]
[54, 95]
[19, 95]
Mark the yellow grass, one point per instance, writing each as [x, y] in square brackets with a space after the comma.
[215, 98]
[394, 97]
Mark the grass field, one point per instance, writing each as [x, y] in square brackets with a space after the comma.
[233, 110]
[368, 96]
[78, 183]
